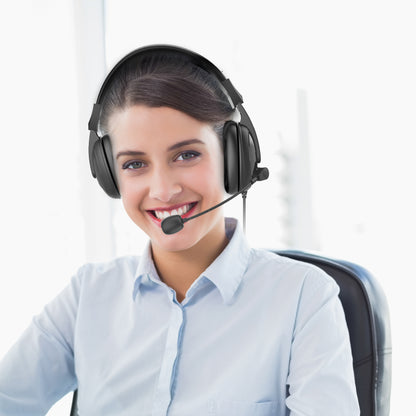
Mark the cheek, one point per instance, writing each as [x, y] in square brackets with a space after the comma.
[131, 193]
[210, 178]
[216, 165]
[124, 187]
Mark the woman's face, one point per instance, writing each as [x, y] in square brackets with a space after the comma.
[168, 163]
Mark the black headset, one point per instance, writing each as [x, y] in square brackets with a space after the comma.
[240, 144]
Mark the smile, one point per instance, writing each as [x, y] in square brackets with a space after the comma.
[181, 210]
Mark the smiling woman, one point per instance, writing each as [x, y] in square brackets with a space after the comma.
[200, 323]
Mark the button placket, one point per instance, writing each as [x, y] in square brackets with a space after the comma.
[163, 394]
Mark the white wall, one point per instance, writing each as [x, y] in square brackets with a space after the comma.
[41, 221]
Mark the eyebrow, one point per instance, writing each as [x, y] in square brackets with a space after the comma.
[170, 148]
[185, 143]
[129, 153]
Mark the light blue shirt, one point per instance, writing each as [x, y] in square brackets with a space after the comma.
[257, 335]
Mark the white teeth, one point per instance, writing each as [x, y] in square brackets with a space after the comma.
[163, 215]
[180, 211]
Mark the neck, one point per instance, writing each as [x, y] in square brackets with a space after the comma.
[179, 269]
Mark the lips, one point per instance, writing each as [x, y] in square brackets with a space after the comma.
[182, 210]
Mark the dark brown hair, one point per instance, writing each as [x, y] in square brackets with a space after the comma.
[166, 81]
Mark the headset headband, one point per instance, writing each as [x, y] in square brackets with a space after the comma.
[194, 58]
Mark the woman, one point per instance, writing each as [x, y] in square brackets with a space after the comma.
[200, 324]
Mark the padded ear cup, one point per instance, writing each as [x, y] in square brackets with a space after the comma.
[239, 157]
[247, 157]
[231, 157]
[102, 160]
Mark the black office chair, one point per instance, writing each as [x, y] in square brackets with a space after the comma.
[368, 321]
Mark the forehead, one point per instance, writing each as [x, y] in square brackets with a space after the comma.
[148, 126]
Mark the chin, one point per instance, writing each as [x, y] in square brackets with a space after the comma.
[189, 237]
[171, 245]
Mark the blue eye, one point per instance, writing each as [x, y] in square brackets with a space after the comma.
[133, 165]
[187, 155]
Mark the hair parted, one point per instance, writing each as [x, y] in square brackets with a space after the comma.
[166, 80]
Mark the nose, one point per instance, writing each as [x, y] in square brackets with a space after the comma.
[163, 185]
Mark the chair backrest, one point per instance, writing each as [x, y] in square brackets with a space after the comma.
[74, 405]
[368, 321]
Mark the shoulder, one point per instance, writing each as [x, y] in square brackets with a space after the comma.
[285, 287]
[116, 272]
[125, 263]
[276, 270]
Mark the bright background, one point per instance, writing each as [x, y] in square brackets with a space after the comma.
[330, 86]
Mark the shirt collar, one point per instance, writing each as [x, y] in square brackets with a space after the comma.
[225, 272]
[146, 270]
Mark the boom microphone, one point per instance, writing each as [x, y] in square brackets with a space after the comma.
[175, 223]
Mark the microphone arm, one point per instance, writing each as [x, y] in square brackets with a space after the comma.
[175, 223]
